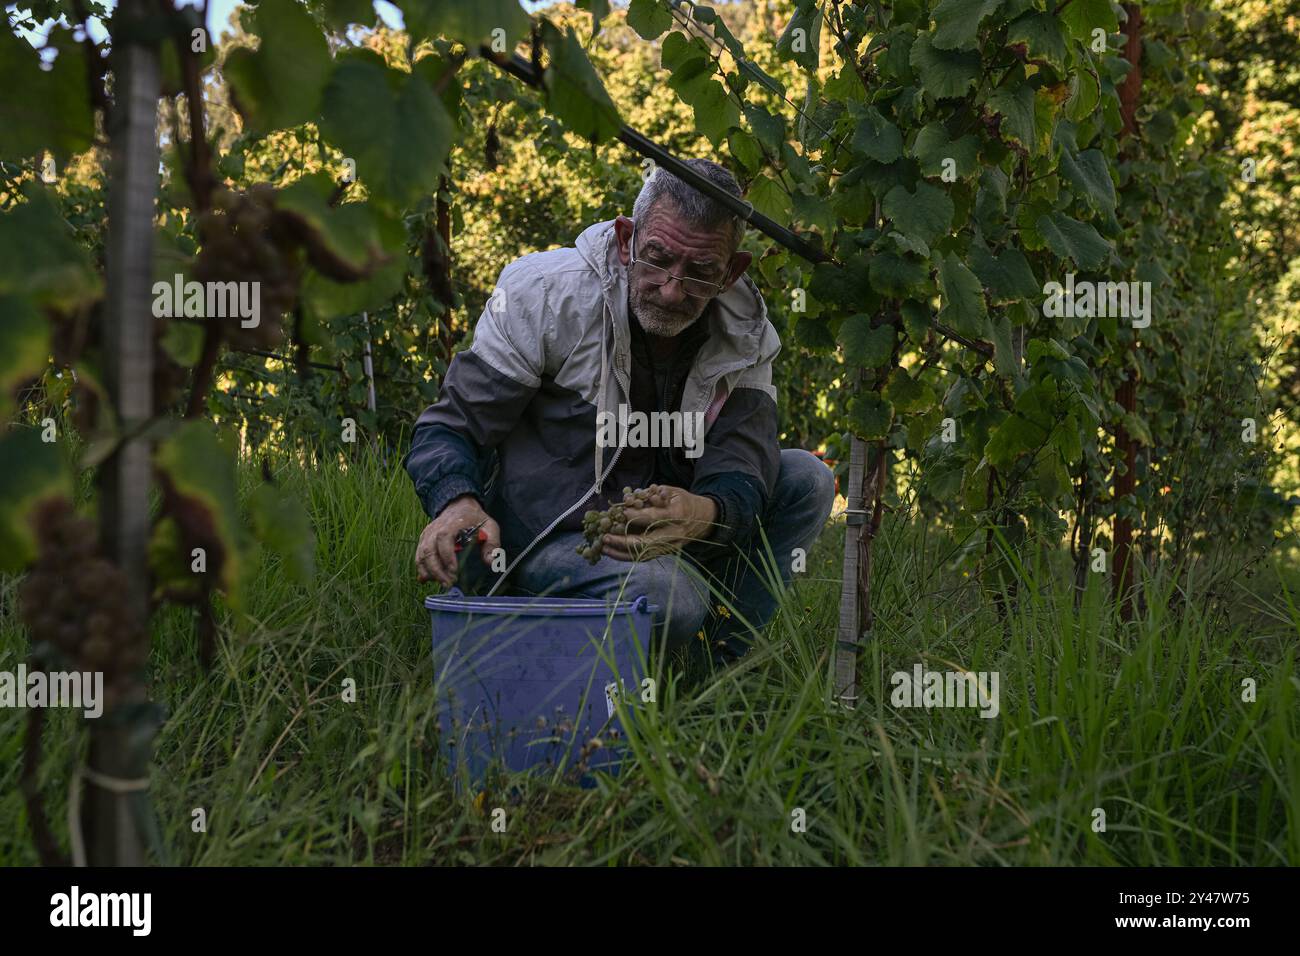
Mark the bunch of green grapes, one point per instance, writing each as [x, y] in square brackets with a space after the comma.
[76, 600]
[597, 524]
[243, 240]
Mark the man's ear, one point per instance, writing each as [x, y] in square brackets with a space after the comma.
[623, 232]
[739, 263]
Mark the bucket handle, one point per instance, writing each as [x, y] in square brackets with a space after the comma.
[639, 606]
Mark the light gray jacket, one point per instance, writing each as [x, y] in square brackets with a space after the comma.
[551, 351]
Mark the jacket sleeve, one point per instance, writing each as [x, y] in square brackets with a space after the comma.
[742, 455]
[486, 389]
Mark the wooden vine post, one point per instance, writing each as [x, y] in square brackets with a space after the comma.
[844, 690]
[1126, 395]
[117, 760]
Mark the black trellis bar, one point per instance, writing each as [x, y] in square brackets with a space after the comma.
[523, 70]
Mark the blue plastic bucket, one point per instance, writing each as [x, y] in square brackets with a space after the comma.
[528, 681]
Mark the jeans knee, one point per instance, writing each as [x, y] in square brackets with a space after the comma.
[806, 482]
[669, 585]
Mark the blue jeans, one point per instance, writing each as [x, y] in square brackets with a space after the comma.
[748, 579]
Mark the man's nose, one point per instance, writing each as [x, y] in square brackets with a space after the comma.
[672, 293]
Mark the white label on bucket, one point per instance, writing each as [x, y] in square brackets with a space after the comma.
[610, 690]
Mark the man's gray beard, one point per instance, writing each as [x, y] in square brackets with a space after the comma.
[656, 321]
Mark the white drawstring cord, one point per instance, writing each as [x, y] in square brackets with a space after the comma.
[600, 478]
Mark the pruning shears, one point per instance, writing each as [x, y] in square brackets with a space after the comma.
[465, 535]
[465, 554]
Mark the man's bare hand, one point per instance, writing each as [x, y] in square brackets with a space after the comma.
[435, 555]
[666, 522]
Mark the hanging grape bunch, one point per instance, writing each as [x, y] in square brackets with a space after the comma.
[75, 600]
[244, 240]
[597, 524]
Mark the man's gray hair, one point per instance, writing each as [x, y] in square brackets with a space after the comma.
[699, 210]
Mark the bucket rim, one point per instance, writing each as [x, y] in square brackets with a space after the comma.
[457, 602]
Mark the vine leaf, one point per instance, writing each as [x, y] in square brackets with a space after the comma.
[24, 347]
[390, 123]
[343, 240]
[812, 210]
[1015, 436]
[801, 39]
[649, 18]
[1004, 355]
[31, 470]
[1041, 34]
[715, 111]
[169, 565]
[279, 84]
[200, 467]
[1137, 427]
[1088, 174]
[957, 22]
[864, 346]
[183, 342]
[769, 129]
[575, 93]
[323, 298]
[680, 51]
[917, 320]
[40, 257]
[339, 14]
[944, 73]
[1085, 92]
[933, 146]
[1084, 16]
[896, 276]
[847, 286]
[991, 201]
[925, 214]
[1068, 439]
[693, 80]
[745, 149]
[471, 22]
[1016, 107]
[282, 525]
[963, 299]
[43, 109]
[813, 334]
[876, 137]
[894, 63]
[1053, 481]
[909, 395]
[768, 197]
[870, 416]
[1071, 239]
[1007, 276]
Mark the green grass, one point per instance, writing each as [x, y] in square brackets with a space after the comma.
[1144, 720]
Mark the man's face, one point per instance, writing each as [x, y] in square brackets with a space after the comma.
[667, 241]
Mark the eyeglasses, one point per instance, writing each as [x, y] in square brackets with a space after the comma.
[696, 288]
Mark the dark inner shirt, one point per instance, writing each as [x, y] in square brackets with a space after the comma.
[657, 386]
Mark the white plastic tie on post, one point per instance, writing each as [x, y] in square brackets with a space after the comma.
[118, 785]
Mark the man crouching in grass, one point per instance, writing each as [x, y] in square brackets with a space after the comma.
[646, 315]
